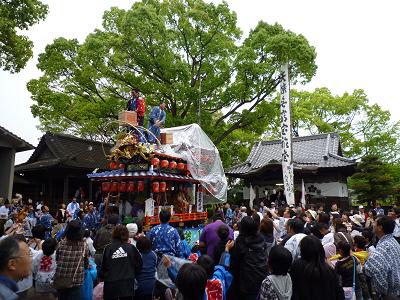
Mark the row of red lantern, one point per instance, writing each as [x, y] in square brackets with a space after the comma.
[123, 187]
[154, 162]
[168, 164]
[114, 165]
[159, 187]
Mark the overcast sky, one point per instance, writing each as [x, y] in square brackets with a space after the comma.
[357, 43]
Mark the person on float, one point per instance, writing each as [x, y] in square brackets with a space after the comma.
[138, 105]
[157, 119]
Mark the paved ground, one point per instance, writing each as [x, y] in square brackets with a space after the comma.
[32, 295]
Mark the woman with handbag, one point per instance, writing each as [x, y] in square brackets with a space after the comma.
[348, 269]
[70, 257]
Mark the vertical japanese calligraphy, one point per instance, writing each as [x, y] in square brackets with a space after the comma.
[286, 136]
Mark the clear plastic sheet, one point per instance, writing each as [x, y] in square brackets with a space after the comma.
[162, 272]
[204, 163]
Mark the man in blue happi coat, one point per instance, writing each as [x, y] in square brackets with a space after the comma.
[46, 220]
[90, 220]
[156, 121]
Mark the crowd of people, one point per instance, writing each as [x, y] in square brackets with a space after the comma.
[274, 252]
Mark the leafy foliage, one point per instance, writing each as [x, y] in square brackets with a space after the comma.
[15, 49]
[186, 52]
[374, 180]
[364, 128]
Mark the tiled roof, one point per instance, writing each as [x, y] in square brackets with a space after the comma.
[67, 151]
[316, 151]
[16, 141]
[121, 175]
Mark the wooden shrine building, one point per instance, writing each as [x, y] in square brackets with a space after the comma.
[58, 168]
[9, 145]
[318, 161]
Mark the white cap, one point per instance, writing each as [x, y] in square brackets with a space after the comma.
[132, 228]
[361, 206]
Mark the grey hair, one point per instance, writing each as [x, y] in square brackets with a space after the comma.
[9, 248]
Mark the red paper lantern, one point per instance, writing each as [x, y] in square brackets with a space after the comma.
[121, 166]
[180, 166]
[140, 186]
[122, 187]
[164, 163]
[156, 187]
[172, 165]
[163, 186]
[131, 187]
[113, 165]
[105, 187]
[155, 161]
[114, 187]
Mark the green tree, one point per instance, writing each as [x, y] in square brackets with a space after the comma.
[364, 128]
[16, 49]
[373, 180]
[186, 52]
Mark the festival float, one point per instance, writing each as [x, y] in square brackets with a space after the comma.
[179, 172]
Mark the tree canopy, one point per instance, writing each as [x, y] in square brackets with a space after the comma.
[364, 128]
[375, 180]
[187, 52]
[16, 49]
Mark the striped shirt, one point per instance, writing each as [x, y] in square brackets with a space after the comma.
[383, 266]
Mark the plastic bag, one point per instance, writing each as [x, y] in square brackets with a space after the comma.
[98, 291]
[162, 272]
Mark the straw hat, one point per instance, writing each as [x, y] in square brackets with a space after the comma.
[313, 213]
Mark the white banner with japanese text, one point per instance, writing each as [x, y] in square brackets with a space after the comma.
[286, 136]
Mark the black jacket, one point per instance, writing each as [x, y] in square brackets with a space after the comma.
[248, 265]
[121, 262]
[321, 284]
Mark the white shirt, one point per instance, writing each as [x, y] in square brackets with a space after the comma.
[44, 274]
[293, 245]
[328, 238]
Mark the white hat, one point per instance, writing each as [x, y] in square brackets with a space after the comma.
[356, 219]
[312, 213]
[132, 228]
[361, 206]
[272, 203]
